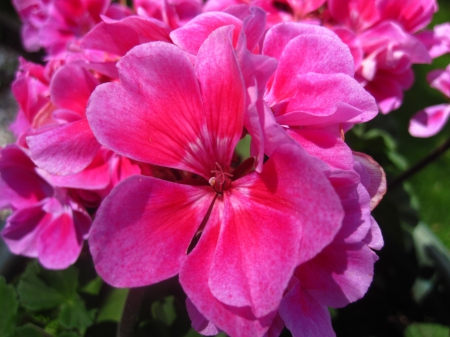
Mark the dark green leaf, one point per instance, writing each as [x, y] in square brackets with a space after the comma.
[34, 293]
[73, 314]
[30, 330]
[8, 308]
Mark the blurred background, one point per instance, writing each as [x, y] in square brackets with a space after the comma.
[410, 293]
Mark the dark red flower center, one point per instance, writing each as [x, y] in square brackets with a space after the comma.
[221, 179]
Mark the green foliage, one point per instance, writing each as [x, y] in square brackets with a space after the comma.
[8, 308]
[427, 330]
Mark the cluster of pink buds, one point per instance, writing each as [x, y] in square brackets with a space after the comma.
[127, 137]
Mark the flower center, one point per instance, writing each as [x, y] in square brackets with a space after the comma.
[221, 179]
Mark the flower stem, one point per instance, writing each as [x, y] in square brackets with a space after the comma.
[131, 312]
[431, 157]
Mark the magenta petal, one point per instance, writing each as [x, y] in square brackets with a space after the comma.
[155, 114]
[191, 36]
[65, 149]
[223, 93]
[430, 121]
[120, 36]
[339, 275]
[71, 87]
[304, 316]
[59, 243]
[23, 229]
[374, 238]
[143, 229]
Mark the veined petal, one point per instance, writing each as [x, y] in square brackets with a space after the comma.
[194, 275]
[143, 229]
[155, 113]
[223, 93]
[284, 198]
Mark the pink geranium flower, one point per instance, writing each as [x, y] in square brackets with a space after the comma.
[48, 223]
[429, 121]
[254, 228]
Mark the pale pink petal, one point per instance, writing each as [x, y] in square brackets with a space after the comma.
[191, 36]
[304, 316]
[199, 322]
[377, 178]
[342, 100]
[120, 36]
[223, 93]
[143, 229]
[339, 275]
[430, 121]
[59, 243]
[318, 54]
[257, 208]
[155, 114]
[95, 176]
[66, 149]
[278, 37]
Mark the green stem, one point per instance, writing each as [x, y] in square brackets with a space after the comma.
[131, 312]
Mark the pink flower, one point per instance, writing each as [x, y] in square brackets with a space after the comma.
[47, 223]
[254, 228]
[431, 120]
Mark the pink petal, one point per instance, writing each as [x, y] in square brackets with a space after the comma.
[95, 176]
[377, 178]
[65, 149]
[155, 114]
[430, 121]
[279, 36]
[71, 87]
[59, 243]
[23, 228]
[143, 229]
[325, 146]
[199, 322]
[194, 278]
[191, 36]
[319, 54]
[120, 36]
[256, 209]
[342, 100]
[304, 316]
[223, 93]
[339, 275]
[20, 185]
[374, 238]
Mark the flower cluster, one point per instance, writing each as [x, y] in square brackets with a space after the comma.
[135, 121]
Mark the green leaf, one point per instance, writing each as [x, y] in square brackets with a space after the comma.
[34, 293]
[8, 308]
[30, 330]
[427, 330]
[164, 311]
[113, 307]
[68, 334]
[93, 287]
[73, 314]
